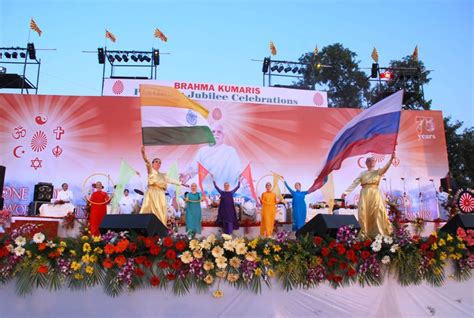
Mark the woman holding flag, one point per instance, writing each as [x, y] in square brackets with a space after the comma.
[226, 216]
[298, 205]
[373, 218]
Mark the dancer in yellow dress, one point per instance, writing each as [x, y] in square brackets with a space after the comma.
[268, 201]
[155, 199]
[373, 218]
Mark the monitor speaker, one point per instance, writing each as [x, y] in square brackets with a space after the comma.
[327, 225]
[466, 221]
[146, 224]
[43, 192]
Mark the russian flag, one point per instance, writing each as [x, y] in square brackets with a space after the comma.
[374, 130]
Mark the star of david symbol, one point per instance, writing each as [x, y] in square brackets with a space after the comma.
[36, 163]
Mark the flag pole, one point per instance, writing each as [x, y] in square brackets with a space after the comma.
[24, 65]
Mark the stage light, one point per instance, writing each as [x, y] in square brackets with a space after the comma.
[3, 70]
[125, 58]
[274, 68]
[140, 57]
[301, 70]
[14, 55]
[118, 58]
[156, 57]
[266, 64]
[1, 55]
[280, 68]
[22, 55]
[111, 58]
[8, 55]
[134, 58]
[147, 58]
[295, 69]
[287, 69]
[374, 70]
[100, 55]
[31, 51]
[387, 75]
[318, 66]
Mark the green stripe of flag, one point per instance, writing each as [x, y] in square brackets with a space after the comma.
[177, 135]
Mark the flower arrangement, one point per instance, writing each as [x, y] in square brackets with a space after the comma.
[5, 217]
[128, 261]
[68, 220]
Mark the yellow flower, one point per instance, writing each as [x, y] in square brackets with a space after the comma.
[93, 258]
[443, 256]
[226, 237]
[89, 270]
[251, 256]
[277, 258]
[451, 249]
[434, 233]
[441, 242]
[61, 249]
[432, 261]
[270, 273]
[75, 266]
[98, 250]
[234, 262]
[63, 244]
[72, 252]
[86, 258]
[276, 248]
[437, 271]
[205, 245]
[240, 249]
[197, 253]
[194, 245]
[461, 246]
[86, 248]
[28, 253]
[434, 247]
[211, 239]
[266, 262]
[78, 276]
[221, 262]
[208, 279]
[85, 238]
[449, 238]
[229, 246]
[186, 257]
[258, 271]
[221, 274]
[253, 243]
[266, 251]
[317, 260]
[96, 239]
[218, 293]
[232, 277]
[217, 251]
[208, 265]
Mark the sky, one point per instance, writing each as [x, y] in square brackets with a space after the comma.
[215, 41]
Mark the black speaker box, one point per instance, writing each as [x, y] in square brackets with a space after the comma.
[327, 224]
[33, 208]
[2, 181]
[43, 192]
[146, 224]
[466, 221]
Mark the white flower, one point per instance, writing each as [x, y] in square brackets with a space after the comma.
[221, 262]
[20, 241]
[186, 257]
[10, 248]
[217, 251]
[38, 238]
[376, 246]
[394, 248]
[205, 245]
[226, 237]
[388, 239]
[379, 238]
[197, 253]
[240, 249]
[229, 246]
[211, 239]
[386, 259]
[19, 251]
[50, 244]
[194, 245]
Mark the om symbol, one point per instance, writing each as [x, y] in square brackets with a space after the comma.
[19, 132]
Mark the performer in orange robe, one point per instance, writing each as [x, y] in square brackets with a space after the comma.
[99, 200]
[268, 201]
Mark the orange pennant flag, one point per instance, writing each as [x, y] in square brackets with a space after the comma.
[160, 35]
[415, 54]
[375, 55]
[34, 27]
[110, 36]
[273, 49]
[247, 175]
[202, 174]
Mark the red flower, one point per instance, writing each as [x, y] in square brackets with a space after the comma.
[170, 254]
[107, 263]
[365, 254]
[148, 241]
[132, 247]
[43, 269]
[431, 239]
[357, 246]
[154, 281]
[3, 251]
[415, 238]
[332, 261]
[170, 276]
[350, 255]
[147, 263]
[41, 246]
[343, 266]
[317, 240]
[351, 272]
[120, 260]
[54, 254]
[139, 272]
[176, 264]
[121, 246]
[367, 243]
[167, 242]
[109, 249]
[180, 245]
[332, 244]
[424, 246]
[155, 249]
[325, 251]
[337, 278]
[430, 254]
[163, 264]
[140, 259]
[340, 249]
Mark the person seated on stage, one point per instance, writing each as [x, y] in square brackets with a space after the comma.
[226, 216]
[298, 205]
[268, 202]
[98, 200]
[193, 201]
[443, 203]
[126, 203]
[65, 195]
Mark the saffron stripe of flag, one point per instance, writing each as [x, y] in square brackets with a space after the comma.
[160, 35]
[34, 27]
[273, 49]
[109, 35]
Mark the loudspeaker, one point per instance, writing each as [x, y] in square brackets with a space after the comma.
[101, 55]
[466, 221]
[327, 224]
[146, 224]
[43, 192]
[33, 208]
[2, 180]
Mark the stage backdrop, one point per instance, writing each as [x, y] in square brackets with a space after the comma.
[67, 138]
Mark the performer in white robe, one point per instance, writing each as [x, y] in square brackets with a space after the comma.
[126, 203]
[65, 195]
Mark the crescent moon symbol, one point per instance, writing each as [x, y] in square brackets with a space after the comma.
[15, 153]
[358, 162]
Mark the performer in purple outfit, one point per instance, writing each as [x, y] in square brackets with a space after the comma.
[226, 216]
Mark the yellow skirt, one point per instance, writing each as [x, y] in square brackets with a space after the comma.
[268, 220]
[155, 202]
[373, 216]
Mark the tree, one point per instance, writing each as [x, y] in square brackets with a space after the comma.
[408, 74]
[337, 69]
[460, 154]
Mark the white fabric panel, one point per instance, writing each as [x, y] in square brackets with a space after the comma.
[162, 116]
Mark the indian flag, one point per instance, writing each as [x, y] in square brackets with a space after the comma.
[171, 118]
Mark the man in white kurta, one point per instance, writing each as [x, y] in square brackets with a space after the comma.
[126, 203]
[65, 195]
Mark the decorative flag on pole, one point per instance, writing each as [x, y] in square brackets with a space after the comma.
[202, 174]
[273, 49]
[374, 130]
[328, 192]
[276, 187]
[109, 35]
[171, 118]
[34, 27]
[315, 55]
[174, 175]
[247, 175]
[160, 35]
[415, 54]
[126, 172]
[375, 55]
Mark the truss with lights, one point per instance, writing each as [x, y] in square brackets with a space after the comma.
[19, 58]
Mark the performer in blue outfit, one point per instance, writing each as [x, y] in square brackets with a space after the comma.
[193, 210]
[226, 216]
[298, 205]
